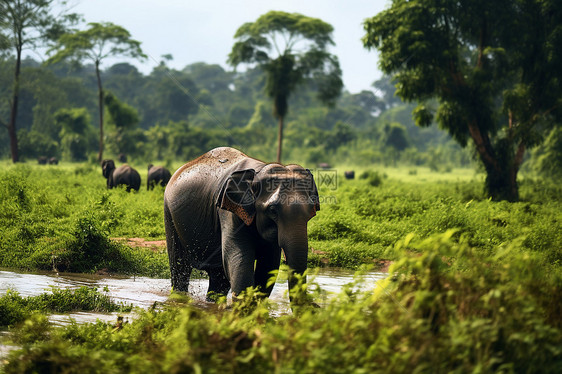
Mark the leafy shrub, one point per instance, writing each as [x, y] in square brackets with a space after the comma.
[444, 308]
[373, 178]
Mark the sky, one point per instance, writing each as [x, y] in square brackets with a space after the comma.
[203, 30]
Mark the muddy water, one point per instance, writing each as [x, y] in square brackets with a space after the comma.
[144, 292]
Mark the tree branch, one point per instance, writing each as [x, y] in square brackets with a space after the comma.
[482, 145]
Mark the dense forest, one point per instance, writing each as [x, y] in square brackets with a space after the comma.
[171, 114]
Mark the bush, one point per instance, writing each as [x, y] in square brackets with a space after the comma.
[372, 177]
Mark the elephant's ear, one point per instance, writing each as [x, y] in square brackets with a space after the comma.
[237, 197]
[107, 166]
[314, 194]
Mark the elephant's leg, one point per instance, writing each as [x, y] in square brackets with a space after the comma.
[238, 253]
[268, 259]
[218, 284]
[180, 266]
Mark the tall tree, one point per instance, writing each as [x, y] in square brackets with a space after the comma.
[493, 66]
[290, 48]
[26, 24]
[99, 41]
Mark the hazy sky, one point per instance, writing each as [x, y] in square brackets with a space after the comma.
[203, 30]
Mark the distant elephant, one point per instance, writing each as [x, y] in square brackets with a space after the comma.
[157, 175]
[122, 157]
[350, 174]
[231, 215]
[123, 175]
[53, 161]
[42, 160]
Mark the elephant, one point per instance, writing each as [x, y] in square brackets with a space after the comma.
[157, 175]
[124, 174]
[232, 215]
[53, 161]
[42, 160]
[349, 174]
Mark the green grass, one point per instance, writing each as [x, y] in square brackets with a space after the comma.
[359, 223]
[15, 308]
[475, 285]
[64, 218]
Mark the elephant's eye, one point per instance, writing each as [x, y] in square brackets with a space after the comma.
[273, 211]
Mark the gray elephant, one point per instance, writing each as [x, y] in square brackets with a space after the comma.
[123, 175]
[157, 175]
[231, 215]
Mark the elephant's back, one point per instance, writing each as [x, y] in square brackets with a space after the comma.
[196, 185]
[209, 166]
[127, 175]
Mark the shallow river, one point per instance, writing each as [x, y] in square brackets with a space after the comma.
[144, 292]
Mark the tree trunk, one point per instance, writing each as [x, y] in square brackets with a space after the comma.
[100, 103]
[280, 140]
[501, 169]
[14, 110]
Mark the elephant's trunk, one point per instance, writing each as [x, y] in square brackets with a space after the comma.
[294, 242]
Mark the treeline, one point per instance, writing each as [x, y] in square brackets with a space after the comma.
[177, 114]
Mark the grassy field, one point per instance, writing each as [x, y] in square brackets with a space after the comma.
[475, 285]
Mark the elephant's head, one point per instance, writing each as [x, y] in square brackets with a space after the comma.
[107, 167]
[279, 200]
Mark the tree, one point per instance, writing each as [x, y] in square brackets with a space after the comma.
[26, 24]
[99, 41]
[124, 120]
[493, 66]
[75, 133]
[290, 48]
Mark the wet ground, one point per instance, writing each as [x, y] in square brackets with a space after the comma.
[144, 292]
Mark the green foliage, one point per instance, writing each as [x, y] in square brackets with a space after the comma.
[98, 42]
[64, 219]
[285, 68]
[359, 223]
[444, 307]
[303, 56]
[76, 133]
[15, 309]
[372, 177]
[492, 86]
[122, 137]
[548, 157]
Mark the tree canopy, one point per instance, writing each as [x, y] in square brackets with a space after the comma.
[290, 48]
[99, 41]
[492, 66]
[26, 24]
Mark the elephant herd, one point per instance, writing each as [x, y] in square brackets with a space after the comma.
[232, 216]
[126, 176]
